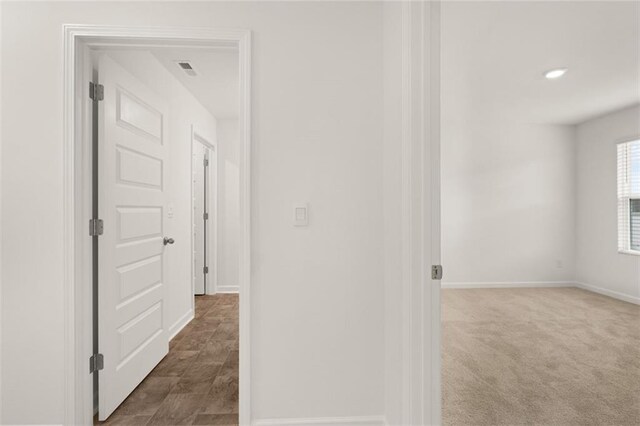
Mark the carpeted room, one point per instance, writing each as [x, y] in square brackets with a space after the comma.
[542, 273]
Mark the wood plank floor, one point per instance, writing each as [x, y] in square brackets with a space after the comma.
[539, 356]
[197, 382]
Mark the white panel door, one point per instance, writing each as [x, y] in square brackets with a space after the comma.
[132, 332]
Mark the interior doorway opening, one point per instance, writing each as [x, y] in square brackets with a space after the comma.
[534, 231]
[149, 116]
[144, 188]
[205, 216]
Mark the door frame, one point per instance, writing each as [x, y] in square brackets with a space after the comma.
[420, 240]
[78, 40]
[212, 236]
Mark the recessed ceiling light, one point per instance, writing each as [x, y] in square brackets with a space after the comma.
[556, 73]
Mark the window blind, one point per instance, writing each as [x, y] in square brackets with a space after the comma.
[635, 225]
[629, 196]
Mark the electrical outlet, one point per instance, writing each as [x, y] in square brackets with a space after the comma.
[559, 264]
[301, 214]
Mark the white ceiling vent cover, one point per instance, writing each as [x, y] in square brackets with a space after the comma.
[187, 67]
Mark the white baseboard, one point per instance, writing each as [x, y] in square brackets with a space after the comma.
[324, 421]
[545, 284]
[180, 324]
[227, 289]
[531, 284]
[610, 293]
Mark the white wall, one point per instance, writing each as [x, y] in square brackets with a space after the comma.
[184, 111]
[509, 175]
[507, 199]
[507, 182]
[599, 265]
[228, 205]
[317, 292]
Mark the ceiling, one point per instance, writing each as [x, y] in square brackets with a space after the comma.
[216, 84]
[494, 55]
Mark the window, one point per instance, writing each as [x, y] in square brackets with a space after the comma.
[629, 197]
[635, 225]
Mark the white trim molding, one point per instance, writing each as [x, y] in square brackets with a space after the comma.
[324, 421]
[213, 242]
[544, 284]
[182, 322]
[630, 252]
[227, 289]
[1, 422]
[420, 241]
[78, 40]
[610, 293]
[510, 284]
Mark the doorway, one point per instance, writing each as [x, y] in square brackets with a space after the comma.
[205, 215]
[138, 169]
[531, 213]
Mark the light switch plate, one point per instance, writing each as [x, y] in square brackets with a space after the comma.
[300, 214]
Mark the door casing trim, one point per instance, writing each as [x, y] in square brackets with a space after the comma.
[420, 240]
[211, 287]
[78, 40]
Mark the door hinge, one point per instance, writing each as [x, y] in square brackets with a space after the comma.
[96, 227]
[205, 270]
[436, 272]
[96, 363]
[96, 91]
[205, 216]
[205, 162]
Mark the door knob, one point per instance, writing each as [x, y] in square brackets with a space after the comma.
[168, 241]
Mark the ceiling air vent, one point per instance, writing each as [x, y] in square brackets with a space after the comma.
[186, 67]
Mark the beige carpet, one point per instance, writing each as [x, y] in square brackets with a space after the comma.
[552, 356]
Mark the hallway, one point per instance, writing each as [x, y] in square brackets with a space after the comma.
[197, 382]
